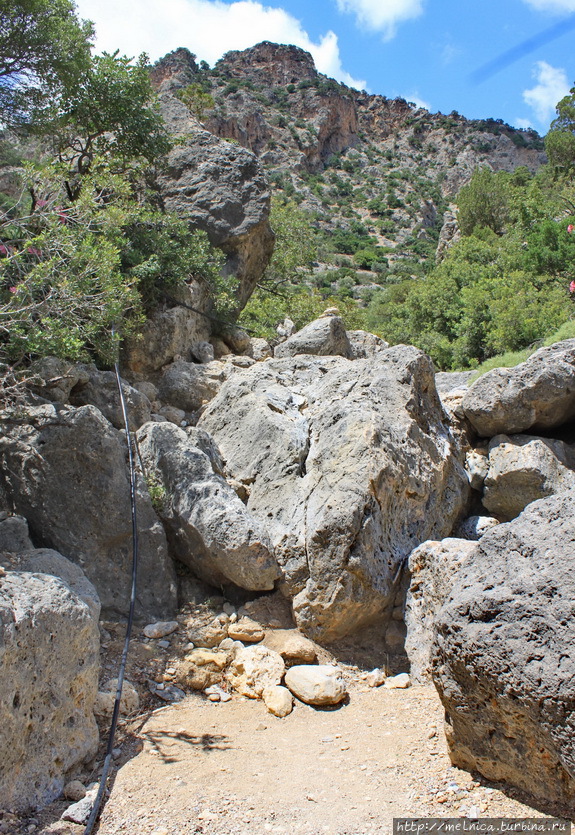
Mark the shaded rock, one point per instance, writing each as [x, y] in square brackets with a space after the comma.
[433, 567]
[14, 535]
[246, 630]
[319, 684]
[169, 331]
[172, 415]
[101, 390]
[220, 188]
[66, 473]
[364, 344]
[324, 337]
[74, 790]
[350, 466]
[187, 386]
[254, 669]
[271, 610]
[54, 378]
[504, 656]
[49, 660]
[477, 466]
[203, 352]
[278, 700]
[522, 469]
[474, 527]
[105, 699]
[210, 528]
[80, 812]
[537, 394]
[47, 561]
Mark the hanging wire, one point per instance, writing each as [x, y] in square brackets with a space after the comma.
[112, 733]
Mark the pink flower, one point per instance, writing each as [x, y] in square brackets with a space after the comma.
[15, 289]
[572, 287]
[32, 250]
[571, 228]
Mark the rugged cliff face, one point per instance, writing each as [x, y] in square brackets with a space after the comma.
[345, 155]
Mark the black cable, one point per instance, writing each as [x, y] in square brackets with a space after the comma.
[98, 802]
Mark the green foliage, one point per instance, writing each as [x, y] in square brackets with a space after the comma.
[110, 111]
[196, 99]
[560, 141]
[482, 203]
[295, 245]
[44, 49]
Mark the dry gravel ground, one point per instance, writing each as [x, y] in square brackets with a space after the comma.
[232, 768]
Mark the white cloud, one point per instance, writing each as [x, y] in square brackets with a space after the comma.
[209, 28]
[552, 5]
[552, 86]
[417, 100]
[382, 15]
[526, 124]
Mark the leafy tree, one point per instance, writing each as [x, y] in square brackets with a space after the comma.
[482, 203]
[44, 48]
[110, 111]
[560, 141]
[196, 99]
[295, 246]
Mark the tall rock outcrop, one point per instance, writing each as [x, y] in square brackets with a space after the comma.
[350, 465]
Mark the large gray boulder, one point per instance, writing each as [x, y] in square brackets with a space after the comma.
[433, 567]
[522, 469]
[47, 561]
[211, 530]
[49, 660]
[504, 655]
[349, 465]
[65, 471]
[538, 394]
[323, 337]
[220, 188]
[187, 385]
[101, 390]
[14, 534]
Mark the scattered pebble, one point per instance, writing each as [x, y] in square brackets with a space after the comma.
[399, 682]
[160, 629]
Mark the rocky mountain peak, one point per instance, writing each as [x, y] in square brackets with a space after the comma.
[178, 66]
[269, 63]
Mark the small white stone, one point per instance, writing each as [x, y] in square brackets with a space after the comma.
[160, 629]
[399, 682]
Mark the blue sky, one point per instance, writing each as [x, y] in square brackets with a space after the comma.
[423, 50]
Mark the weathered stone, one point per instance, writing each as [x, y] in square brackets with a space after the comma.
[474, 527]
[447, 381]
[80, 812]
[47, 561]
[278, 700]
[259, 349]
[319, 684]
[324, 337]
[209, 635]
[522, 469]
[433, 567]
[399, 682]
[210, 529]
[202, 668]
[364, 344]
[293, 647]
[221, 189]
[54, 378]
[246, 630]
[172, 415]
[14, 535]
[477, 466]
[105, 699]
[375, 678]
[74, 790]
[254, 669]
[101, 390]
[66, 472]
[169, 332]
[504, 656]
[161, 629]
[537, 394]
[350, 466]
[186, 386]
[49, 659]
[203, 352]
